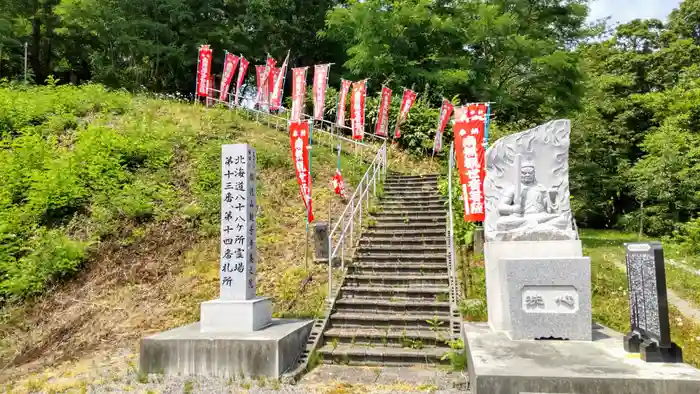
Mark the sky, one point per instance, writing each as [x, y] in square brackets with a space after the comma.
[626, 10]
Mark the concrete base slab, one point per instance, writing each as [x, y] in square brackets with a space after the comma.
[498, 365]
[235, 315]
[187, 350]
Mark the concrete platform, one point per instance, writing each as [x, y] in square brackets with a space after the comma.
[498, 365]
[188, 351]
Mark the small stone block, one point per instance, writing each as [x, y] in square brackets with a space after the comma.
[236, 316]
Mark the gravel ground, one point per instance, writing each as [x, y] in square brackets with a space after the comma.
[326, 379]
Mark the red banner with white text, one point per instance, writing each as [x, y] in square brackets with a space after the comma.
[409, 97]
[445, 113]
[299, 138]
[241, 76]
[274, 73]
[259, 74]
[469, 142]
[357, 109]
[263, 96]
[203, 70]
[342, 98]
[230, 63]
[320, 83]
[298, 92]
[278, 85]
[382, 128]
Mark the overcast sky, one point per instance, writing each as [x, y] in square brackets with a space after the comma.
[626, 10]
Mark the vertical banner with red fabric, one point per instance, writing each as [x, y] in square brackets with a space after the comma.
[259, 73]
[357, 109]
[263, 96]
[340, 114]
[298, 92]
[469, 142]
[203, 70]
[445, 113]
[277, 84]
[320, 83]
[409, 97]
[299, 138]
[271, 79]
[230, 63]
[382, 127]
[241, 76]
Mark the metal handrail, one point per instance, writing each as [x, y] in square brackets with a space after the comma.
[353, 211]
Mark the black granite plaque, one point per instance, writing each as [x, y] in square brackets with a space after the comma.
[650, 332]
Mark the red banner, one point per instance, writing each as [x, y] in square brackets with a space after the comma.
[263, 96]
[298, 92]
[339, 184]
[203, 70]
[340, 116]
[241, 76]
[230, 63]
[277, 83]
[383, 113]
[445, 113]
[259, 74]
[274, 73]
[320, 82]
[299, 138]
[469, 141]
[357, 109]
[409, 97]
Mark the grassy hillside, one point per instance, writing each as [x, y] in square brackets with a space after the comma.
[109, 217]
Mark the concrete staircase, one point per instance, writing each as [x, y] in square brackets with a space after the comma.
[394, 304]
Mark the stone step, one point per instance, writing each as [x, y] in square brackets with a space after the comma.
[381, 356]
[364, 305]
[433, 231]
[399, 293]
[406, 240]
[392, 321]
[411, 193]
[404, 247]
[395, 221]
[397, 256]
[415, 199]
[408, 217]
[362, 280]
[416, 228]
[402, 177]
[372, 337]
[399, 204]
[403, 268]
[412, 212]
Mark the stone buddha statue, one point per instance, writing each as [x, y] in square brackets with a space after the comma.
[529, 205]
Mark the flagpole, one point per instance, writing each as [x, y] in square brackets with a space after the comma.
[308, 203]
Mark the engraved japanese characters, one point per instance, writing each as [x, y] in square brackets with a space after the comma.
[527, 185]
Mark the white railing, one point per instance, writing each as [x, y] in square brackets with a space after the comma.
[452, 264]
[345, 232]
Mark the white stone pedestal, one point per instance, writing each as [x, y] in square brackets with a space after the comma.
[235, 315]
[496, 287]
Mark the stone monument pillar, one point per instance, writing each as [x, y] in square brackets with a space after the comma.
[236, 334]
[237, 309]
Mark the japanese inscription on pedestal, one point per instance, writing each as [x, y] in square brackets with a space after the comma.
[238, 229]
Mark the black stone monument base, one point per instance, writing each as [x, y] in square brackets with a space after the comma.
[650, 351]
